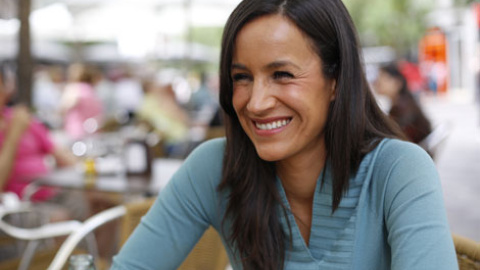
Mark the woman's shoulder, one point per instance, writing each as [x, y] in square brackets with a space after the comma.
[389, 149]
[207, 157]
[211, 149]
[393, 152]
[397, 159]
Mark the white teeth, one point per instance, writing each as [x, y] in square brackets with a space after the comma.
[272, 125]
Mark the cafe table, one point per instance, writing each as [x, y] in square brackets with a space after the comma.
[112, 181]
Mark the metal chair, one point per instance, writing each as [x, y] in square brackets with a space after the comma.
[11, 206]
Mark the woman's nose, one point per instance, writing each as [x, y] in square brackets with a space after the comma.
[261, 98]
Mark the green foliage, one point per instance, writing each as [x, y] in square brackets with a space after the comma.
[210, 36]
[396, 23]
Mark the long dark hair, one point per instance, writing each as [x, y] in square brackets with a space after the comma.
[354, 126]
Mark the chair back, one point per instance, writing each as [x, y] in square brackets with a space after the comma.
[435, 141]
[208, 254]
[468, 253]
[134, 212]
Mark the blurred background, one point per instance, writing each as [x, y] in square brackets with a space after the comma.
[154, 64]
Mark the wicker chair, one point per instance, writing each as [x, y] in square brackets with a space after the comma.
[209, 252]
[468, 253]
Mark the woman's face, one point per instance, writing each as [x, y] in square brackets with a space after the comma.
[279, 92]
[386, 85]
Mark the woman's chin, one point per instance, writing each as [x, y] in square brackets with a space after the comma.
[270, 156]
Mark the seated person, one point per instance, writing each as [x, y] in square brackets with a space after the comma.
[80, 103]
[404, 110]
[24, 145]
[162, 111]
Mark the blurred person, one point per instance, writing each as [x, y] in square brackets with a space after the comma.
[436, 73]
[80, 102]
[105, 89]
[203, 104]
[312, 174]
[161, 109]
[202, 97]
[217, 119]
[128, 92]
[25, 144]
[47, 91]
[404, 110]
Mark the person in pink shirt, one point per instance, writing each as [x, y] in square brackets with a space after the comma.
[24, 145]
[80, 103]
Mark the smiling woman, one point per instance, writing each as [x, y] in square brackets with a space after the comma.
[311, 175]
[280, 94]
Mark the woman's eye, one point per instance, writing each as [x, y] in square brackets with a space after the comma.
[282, 75]
[240, 77]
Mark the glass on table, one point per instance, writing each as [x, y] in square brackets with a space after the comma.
[81, 262]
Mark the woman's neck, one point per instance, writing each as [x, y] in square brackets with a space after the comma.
[299, 175]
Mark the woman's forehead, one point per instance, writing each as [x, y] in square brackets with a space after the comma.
[272, 36]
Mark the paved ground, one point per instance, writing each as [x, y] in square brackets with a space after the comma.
[459, 161]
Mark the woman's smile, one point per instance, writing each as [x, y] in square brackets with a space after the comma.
[273, 124]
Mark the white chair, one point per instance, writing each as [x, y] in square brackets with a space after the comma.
[435, 141]
[11, 205]
[86, 229]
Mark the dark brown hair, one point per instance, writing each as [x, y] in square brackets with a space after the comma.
[354, 126]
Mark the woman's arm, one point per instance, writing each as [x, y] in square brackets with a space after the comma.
[414, 212]
[63, 158]
[180, 215]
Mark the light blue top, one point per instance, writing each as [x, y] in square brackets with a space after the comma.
[392, 217]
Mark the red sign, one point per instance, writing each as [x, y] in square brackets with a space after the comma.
[476, 7]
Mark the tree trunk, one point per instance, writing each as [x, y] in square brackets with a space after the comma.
[24, 57]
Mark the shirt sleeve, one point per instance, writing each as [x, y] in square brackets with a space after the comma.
[414, 211]
[179, 216]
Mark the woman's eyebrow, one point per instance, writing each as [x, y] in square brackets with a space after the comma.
[272, 65]
[282, 63]
[239, 66]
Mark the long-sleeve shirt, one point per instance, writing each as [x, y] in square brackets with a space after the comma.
[392, 216]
